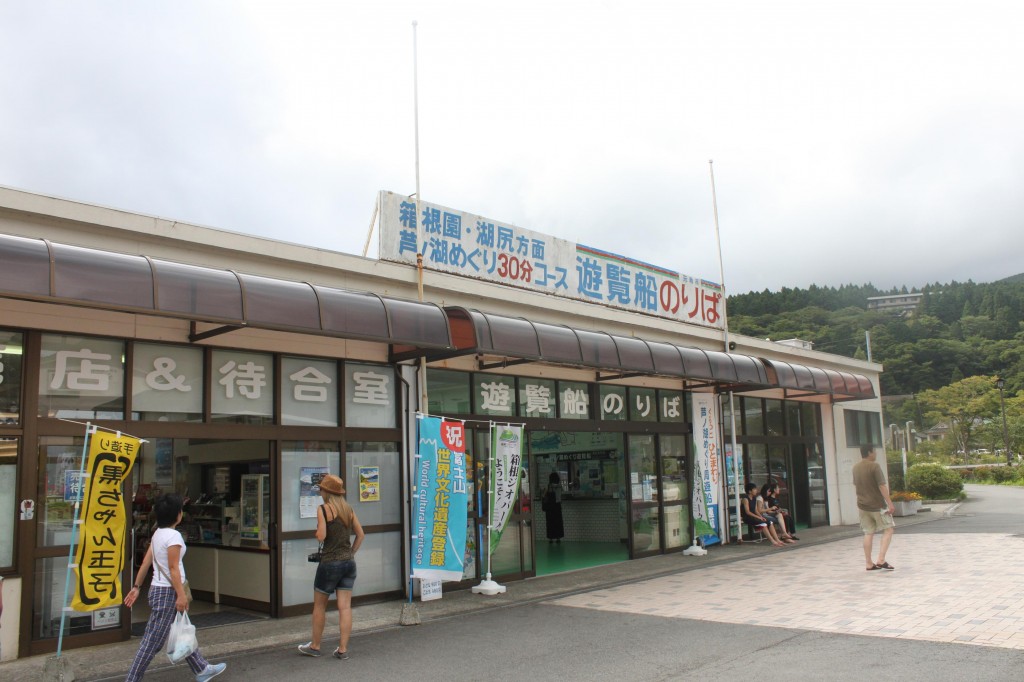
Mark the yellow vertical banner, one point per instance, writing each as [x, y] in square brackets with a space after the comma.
[101, 546]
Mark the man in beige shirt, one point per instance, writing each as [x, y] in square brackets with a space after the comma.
[875, 507]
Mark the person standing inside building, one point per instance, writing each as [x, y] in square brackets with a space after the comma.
[166, 593]
[552, 506]
[875, 507]
[336, 523]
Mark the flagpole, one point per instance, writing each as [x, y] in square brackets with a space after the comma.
[89, 430]
[488, 586]
[728, 348]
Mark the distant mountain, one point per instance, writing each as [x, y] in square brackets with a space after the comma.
[1012, 279]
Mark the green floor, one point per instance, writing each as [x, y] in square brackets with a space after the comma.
[568, 556]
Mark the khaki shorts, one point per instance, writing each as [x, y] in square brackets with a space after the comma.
[873, 521]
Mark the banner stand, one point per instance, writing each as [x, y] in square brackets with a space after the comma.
[488, 586]
[89, 431]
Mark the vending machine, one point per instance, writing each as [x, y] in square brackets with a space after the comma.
[255, 510]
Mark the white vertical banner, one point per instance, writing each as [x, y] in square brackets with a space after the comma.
[707, 481]
[506, 465]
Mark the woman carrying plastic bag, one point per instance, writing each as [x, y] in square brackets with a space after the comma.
[167, 596]
[181, 642]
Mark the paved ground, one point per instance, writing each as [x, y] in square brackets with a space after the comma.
[938, 592]
[818, 584]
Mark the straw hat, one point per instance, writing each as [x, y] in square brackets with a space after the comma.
[332, 484]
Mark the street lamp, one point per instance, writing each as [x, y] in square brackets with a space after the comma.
[1002, 408]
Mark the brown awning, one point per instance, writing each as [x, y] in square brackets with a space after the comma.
[515, 339]
[40, 270]
[797, 380]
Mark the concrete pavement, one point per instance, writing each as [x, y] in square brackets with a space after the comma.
[810, 567]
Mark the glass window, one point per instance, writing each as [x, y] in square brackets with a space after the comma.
[773, 417]
[809, 419]
[309, 391]
[673, 466]
[11, 346]
[792, 418]
[297, 573]
[62, 460]
[862, 428]
[370, 396]
[48, 601]
[573, 400]
[646, 531]
[536, 397]
[727, 402]
[643, 405]
[8, 499]
[380, 564]
[753, 417]
[303, 464]
[613, 402]
[242, 387]
[167, 382]
[494, 394]
[643, 469]
[81, 377]
[677, 526]
[372, 483]
[671, 406]
[448, 391]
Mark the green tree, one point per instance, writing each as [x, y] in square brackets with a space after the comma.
[965, 406]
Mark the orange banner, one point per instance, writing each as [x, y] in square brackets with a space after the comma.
[101, 541]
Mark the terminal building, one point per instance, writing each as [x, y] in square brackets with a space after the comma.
[248, 365]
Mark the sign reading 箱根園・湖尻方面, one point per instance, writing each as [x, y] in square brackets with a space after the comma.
[471, 245]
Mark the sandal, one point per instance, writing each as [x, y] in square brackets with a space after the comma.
[873, 568]
[886, 566]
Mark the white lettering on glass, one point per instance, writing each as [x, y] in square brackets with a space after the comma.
[495, 396]
[162, 378]
[537, 399]
[310, 385]
[613, 404]
[670, 407]
[90, 376]
[248, 377]
[370, 388]
[575, 401]
[643, 405]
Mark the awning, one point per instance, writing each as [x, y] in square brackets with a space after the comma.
[40, 270]
[513, 340]
[798, 380]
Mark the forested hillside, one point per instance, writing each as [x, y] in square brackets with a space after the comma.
[959, 330]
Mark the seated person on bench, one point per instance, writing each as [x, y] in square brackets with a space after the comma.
[768, 507]
[748, 507]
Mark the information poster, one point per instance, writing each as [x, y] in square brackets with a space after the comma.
[309, 490]
[369, 484]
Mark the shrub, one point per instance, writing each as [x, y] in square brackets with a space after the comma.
[1002, 474]
[905, 496]
[934, 481]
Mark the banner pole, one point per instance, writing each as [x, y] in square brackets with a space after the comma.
[488, 586]
[89, 430]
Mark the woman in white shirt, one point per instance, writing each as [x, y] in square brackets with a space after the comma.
[166, 592]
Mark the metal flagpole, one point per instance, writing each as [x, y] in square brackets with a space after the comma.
[89, 430]
[725, 341]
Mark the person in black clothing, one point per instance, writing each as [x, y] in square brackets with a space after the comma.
[748, 510]
[770, 495]
[552, 506]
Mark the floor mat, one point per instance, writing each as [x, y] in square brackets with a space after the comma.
[208, 620]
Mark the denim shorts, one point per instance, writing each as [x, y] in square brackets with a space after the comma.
[334, 575]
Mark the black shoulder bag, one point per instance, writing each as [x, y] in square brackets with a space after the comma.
[315, 557]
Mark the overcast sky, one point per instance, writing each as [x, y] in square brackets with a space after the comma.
[853, 141]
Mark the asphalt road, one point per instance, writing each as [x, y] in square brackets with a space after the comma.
[544, 641]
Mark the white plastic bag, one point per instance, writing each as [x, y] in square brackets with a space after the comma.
[181, 641]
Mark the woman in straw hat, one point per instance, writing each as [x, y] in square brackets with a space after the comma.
[336, 523]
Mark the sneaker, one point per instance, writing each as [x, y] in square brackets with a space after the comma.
[343, 655]
[211, 671]
[308, 650]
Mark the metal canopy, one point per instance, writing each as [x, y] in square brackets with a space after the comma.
[40, 270]
[798, 380]
[516, 339]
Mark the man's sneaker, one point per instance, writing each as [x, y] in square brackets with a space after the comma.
[308, 650]
[211, 671]
[343, 655]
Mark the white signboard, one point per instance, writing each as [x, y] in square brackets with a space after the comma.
[474, 246]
